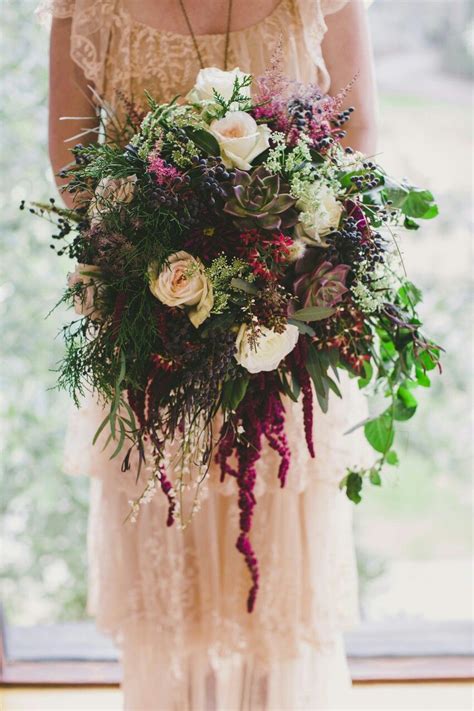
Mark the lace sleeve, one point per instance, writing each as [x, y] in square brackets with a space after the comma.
[90, 32]
[330, 6]
[55, 8]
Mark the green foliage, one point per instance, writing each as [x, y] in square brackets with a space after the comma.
[413, 202]
[233, 392]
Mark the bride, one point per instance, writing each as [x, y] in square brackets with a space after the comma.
[174, 600]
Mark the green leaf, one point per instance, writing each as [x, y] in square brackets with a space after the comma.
[392, 458]
[313, 313]
[101, 428]
[409, 294]
[374, 477]
[333, 386]
[243, 285]
[428, 359]
[204, 140]
[132, 422]
[353, 485]
[313, 366]
[422, 379]
[420, 203]
[405, 404]
[233, 392]
[287, 388]
[121, 439]
[295, 387]
[364, 380]
[379, 432]
[323, 401]
[302, 327]
[410, 224]
[401, 412]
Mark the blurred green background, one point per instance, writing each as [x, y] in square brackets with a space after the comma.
[413, 535]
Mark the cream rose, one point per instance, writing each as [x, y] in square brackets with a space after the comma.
[183, 283]
[109, 193]
[318, 219]
[240, 138]
[213, 78]
[269, 350]
[85, 300]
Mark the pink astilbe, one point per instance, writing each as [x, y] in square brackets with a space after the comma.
[276, 95]
[164, 173]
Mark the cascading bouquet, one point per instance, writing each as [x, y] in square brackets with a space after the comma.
[231, 254]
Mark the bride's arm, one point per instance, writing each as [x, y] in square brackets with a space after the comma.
[347, 51]
[68, 96]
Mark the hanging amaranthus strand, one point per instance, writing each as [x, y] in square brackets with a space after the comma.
[261, 413]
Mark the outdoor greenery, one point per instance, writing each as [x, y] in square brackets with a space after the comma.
[423, 514]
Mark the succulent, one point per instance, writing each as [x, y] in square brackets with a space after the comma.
[258, 201]
[324, 287]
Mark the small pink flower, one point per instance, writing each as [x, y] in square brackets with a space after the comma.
[164, 173]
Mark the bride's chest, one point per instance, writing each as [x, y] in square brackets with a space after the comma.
[143, 58]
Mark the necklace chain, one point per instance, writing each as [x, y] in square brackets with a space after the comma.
[194, 38]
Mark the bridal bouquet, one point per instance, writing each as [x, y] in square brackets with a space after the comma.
[231, 254]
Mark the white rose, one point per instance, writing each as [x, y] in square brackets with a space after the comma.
[109, 193]
[85, 300]
[183, 283]
[240, 138]
[319, 218]
[268, 352]
[214, 78]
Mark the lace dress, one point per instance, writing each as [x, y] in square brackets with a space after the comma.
[175, 600]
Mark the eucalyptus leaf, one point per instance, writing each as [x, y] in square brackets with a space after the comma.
[242, 285]
[313, 313]
[302, 327]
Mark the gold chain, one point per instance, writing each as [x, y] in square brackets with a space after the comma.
[194, 39]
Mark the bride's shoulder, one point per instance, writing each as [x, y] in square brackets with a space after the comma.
[330, 6]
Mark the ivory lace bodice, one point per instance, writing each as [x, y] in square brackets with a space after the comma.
[120, 54]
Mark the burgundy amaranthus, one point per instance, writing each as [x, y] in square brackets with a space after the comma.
[166, 488]
[261, 413]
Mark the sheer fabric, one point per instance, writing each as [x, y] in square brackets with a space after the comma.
[175, 600]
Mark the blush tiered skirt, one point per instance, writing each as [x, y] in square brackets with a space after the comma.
[175, 601]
